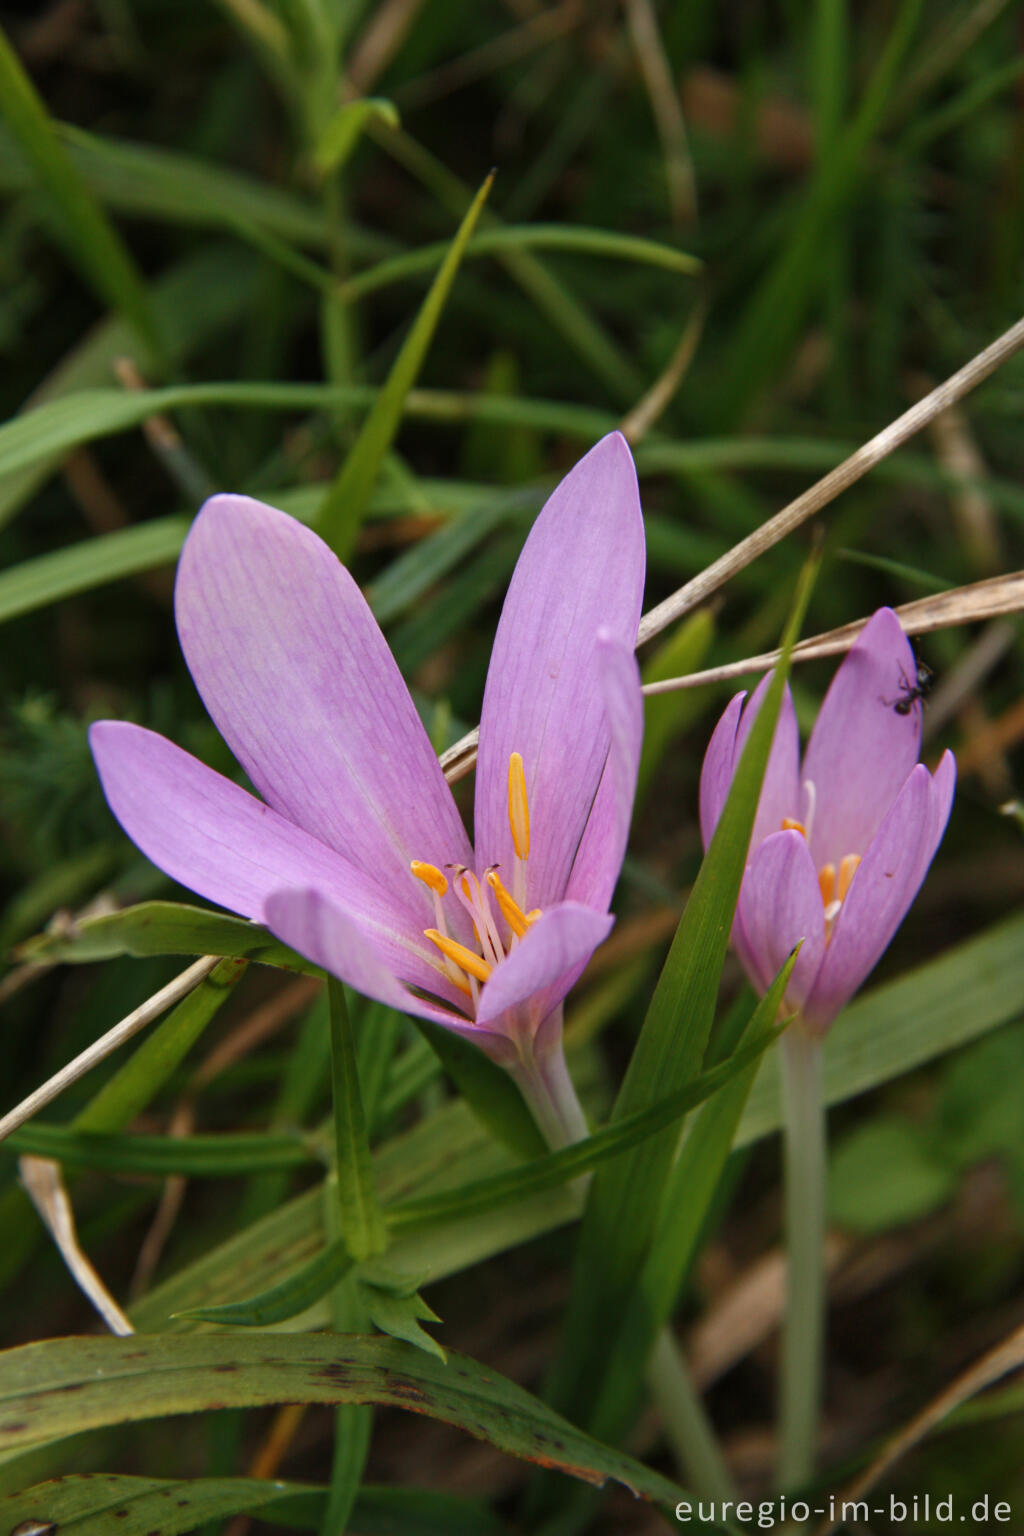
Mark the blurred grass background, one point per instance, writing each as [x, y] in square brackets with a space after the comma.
[850, 176]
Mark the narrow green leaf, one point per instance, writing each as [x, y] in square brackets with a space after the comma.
[138, 1080]
[211, 1156]
[689, 1190]
[400, 1317]
[524, 237]
[161, 928]
[93, 563]
[342, 132]
[624, 1198]
[87, 1504]
[362, 1224]
[346, 501]
[64, 1386]
[281, 1302]
[88, 237]
[467, 1200]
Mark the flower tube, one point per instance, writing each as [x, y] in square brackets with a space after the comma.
[355, 854]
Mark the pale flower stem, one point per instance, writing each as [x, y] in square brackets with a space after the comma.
[548, 1090]
[687, 1427]
[805, 1188]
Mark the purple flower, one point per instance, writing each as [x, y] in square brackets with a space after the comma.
[356, 855]
[843, 840]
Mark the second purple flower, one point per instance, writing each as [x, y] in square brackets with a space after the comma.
[841, 840]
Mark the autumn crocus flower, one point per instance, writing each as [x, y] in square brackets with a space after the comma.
[356, 855]
[842, 840]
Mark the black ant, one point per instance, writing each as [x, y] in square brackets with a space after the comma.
[910, 693]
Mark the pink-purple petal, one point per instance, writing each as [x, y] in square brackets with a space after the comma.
[581, 570]
[885, 884]
[603, 845]
[219, 841]
[780, 795]
[862, 749]
[316, 927]
[539, 971]
[780, 905]
[718, 767]
[300, 682]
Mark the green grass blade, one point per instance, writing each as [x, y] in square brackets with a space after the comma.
[86, 1504]
[93, 563]
[624, 1198]
[689, 1191]
[88, 237]
[571, 1162]
[525, 237]
[345, 504]
[63, 1386]
[283, 1301]
[362, 1224]
[212, 1156]
[342, 131]
[162, 928]
[138, 1080]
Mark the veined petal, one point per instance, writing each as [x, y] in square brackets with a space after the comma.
[315, 926]
[780, 904]
[603, 845]
[581, 570]
[301, 684]
[780, 794]
[718, 767]
[219, 841]
[539, 971]
[885, 884]
[861, 750]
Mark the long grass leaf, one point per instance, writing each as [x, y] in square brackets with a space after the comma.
[88, 237]
[345, 504]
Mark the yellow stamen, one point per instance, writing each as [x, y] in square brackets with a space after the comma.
[511, 911]
[430, 875]
[827, 883]
[847, 870]
[472, 964]
[518, 808]
[531, 917]
[790, 825]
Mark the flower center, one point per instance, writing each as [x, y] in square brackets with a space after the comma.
[466, 968]
[833, 884]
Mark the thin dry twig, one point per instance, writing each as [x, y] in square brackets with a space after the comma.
[831, 485]
[459, 758]
[44, 1185]
[1006, 1357]
[666, 107]
[498, 52]
[253, 1031]
[384, 34]
[137, 1020]
[963, 680]
[944, 610]
[645, 413]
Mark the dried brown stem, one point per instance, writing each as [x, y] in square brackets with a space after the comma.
[459, 759]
